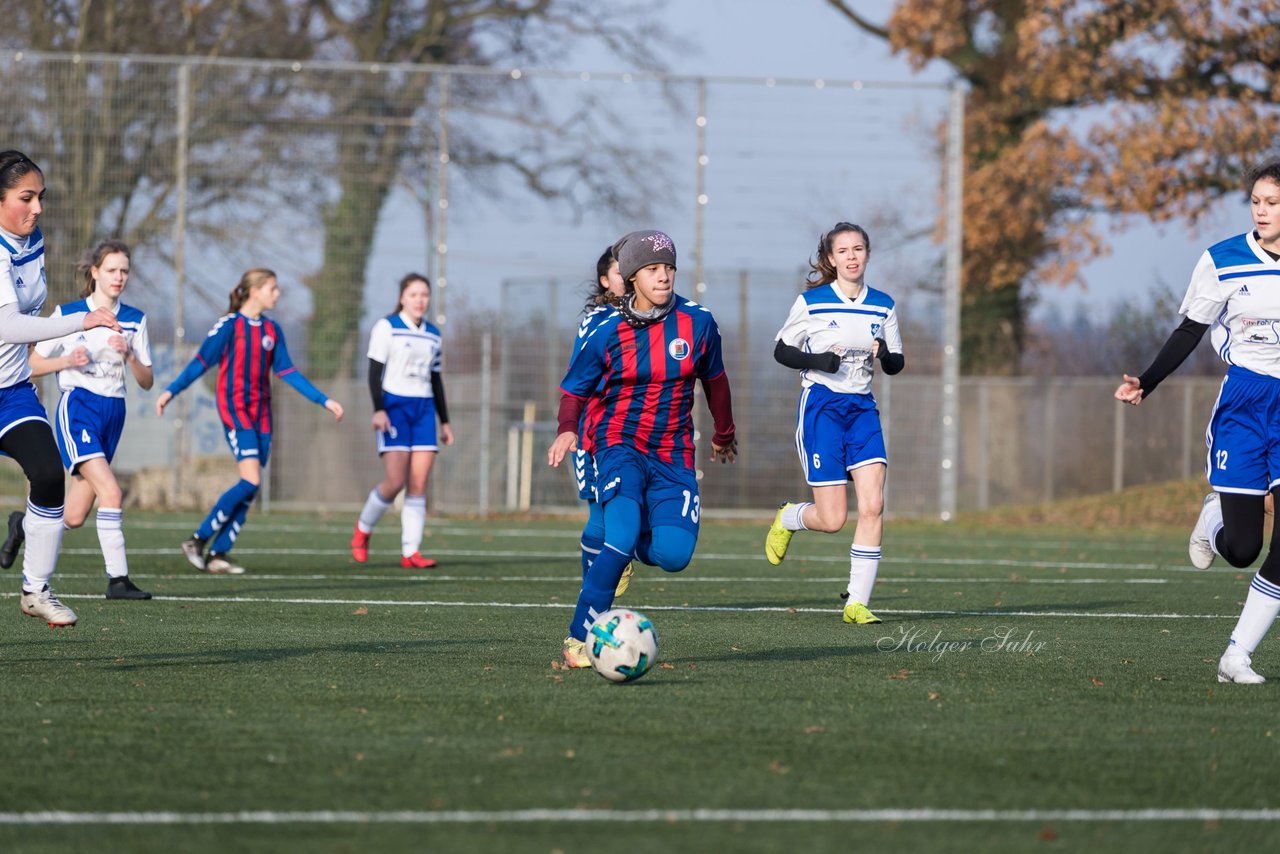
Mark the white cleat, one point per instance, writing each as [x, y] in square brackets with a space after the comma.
[1198, 548]
[45, 606]
[1236, 667]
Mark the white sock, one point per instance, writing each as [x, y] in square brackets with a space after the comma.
[1259, 612]
[43, 526]
[864, 563]
[111, 538]
[413, 516]
[1213, 525]
[374, 507]
[793, 517]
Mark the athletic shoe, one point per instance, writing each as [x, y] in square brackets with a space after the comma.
[417, 561]
[193, 550]
[625, 581]
[46, 606]
[778, 538]
[856, 612]
[1199, 548]
[1236, 667]
[360, 545]
[575, 653]
[219, 565]
[9, 551]
[124, 588]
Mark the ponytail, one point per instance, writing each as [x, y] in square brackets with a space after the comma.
[249, 282]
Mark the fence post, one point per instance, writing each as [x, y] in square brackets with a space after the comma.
[950, 448]
[486, 417]
[182, 409]
[1117, 450]
[526, 455]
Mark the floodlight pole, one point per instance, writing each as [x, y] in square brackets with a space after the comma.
[949, 464]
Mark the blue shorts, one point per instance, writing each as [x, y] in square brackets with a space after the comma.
[19, 403]
[1244, 434]
[248, 444]
[584, 475]
[87, 425]
[666, 492]
[837, 433]
[413, 424]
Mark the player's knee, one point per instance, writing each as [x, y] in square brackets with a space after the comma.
[828, 520]
[73, 518]
[672, 548]
[110, 496]
[1241, 550]
[871, 508]
[48, 487]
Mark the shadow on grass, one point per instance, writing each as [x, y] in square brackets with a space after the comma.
[232, 656]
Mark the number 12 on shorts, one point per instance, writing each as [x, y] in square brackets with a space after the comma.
[1221, 457]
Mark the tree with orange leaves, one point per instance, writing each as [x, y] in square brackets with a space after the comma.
[1075, 109]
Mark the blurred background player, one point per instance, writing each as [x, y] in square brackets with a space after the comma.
[408, 395]
[91, 410]
[24, 430]
[1234, 290]
[635, 375]
[607, 290]
[247, 346]
[836, 330]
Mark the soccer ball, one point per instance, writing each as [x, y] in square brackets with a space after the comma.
[622, 645]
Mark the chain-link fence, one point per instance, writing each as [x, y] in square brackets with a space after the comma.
[504, 186]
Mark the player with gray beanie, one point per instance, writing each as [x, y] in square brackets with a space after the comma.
[634, 252]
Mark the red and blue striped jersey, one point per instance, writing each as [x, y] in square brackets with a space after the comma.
[638, 383]
[247, 350]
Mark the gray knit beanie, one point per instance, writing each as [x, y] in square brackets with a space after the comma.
[642, 248]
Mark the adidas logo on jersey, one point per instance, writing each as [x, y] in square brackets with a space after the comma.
[833, 325]
[1244, 290]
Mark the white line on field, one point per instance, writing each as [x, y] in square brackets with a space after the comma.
[729, 609]
[742, 558]
[683, 577]
[694, 816]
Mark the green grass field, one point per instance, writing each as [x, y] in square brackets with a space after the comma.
[1030, 689]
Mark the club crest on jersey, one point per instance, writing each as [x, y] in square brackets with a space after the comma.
[679, 349]
[268, 343]
[875, 330]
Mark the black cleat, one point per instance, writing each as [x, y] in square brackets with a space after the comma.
[123, 588]
[17, 535]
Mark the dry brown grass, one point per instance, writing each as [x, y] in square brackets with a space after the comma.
[1173, 504]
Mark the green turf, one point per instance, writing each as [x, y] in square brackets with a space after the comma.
[995, 683]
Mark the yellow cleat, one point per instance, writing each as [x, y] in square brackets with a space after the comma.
[856, 612]
[575, 653]
[625, 581]
[778, 538]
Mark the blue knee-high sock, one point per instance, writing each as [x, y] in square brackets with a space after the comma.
[592, 535]
[227, 536]
[242, 492]
[622, 526]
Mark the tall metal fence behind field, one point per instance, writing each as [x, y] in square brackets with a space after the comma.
[342, 177]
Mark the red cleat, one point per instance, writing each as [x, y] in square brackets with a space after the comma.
[417, 561]
[360, 545]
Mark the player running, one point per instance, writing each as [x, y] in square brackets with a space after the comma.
[247, 346]
[634, 377]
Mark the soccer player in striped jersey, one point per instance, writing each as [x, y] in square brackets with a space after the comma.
[608, 288]
[634, 376]
[836, 331]
[247, 346]
[24, 430]
[407, 388]
[1235, 296]
[91, 411]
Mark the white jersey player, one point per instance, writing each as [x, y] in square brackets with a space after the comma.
[1235, 293]
[407, 389]
[89, 421]
[834, 334]
[24, 430]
